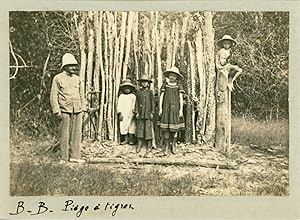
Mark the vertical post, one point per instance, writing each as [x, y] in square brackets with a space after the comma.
[222, 110]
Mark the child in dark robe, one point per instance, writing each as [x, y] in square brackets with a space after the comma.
[144, 111]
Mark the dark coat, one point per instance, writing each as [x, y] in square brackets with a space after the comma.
[145, 103]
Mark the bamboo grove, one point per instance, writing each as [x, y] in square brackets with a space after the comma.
[118, 45]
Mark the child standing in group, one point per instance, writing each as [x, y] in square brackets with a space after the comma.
[222, 60]
[125, 109]
[144, 110]
[171, 108]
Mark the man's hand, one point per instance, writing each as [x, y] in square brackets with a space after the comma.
[120, 117]
[58, 115]
[151, 116]
[160, 112]
[137, 116]
[180, 114]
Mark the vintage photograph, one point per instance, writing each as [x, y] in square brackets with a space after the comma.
[149, 103]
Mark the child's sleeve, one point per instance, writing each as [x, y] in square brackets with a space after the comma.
[119, 104]
[181, 90]
[152, 102]
[136, 105]
[163, 87]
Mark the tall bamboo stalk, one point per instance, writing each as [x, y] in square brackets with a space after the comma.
[175, 42]
[122, 41]
[110, 103]
[128, 40]
[103, 87]
[135, 44]
[159, 42]
[117, 76]
[105, 114]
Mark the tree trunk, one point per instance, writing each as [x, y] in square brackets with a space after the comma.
[222, 111]
[209, 66]
[203, 98]
[193, 92]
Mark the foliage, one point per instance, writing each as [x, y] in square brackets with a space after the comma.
[35, 36]
[247, 131]
[262, 51]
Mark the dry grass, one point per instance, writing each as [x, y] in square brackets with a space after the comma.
[248, 131]
[53, 179]
[263, 174]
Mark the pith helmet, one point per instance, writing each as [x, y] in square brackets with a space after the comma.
[226, 37]
[173, 69]
[68, 59]
[145, 78]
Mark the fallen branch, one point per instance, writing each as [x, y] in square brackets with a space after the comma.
[165, 162]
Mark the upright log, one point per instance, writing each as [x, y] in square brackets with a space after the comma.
[209, 66]
[222, 110]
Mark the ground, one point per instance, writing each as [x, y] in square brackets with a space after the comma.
[256, 171]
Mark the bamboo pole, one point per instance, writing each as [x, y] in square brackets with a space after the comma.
[81, 37]
[135, 46]
[159, 40]
[175, 42]
[114, 73]
[122, 41]
[128, 41]
[110, 79]
[105, 114]
[102, 76]
[146, 49]
[166, 162]
[193, 93]
[91, 50]
[169, 42]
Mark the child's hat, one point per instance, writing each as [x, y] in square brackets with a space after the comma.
[226, 37]
[68, 59]
[145, 77]
[173, 69]
[127, 82]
